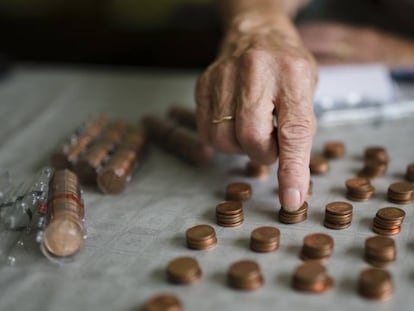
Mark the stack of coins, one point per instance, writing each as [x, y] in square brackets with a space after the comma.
[359, 189]
[317, 246]
[238, 191]
[376, 153]
[380, 251]
[409, 175]
[312, 276]
[178, 140]
[183, 116]
[183, 270]
[375, 284]
[265, 239]
[229, 213]
[318, 165]
[388, 221]
[400, 192]
[373, 169]
[245, 274]
[288, 217]
[338, 215]
[163, 302]
[64, 231]
[334, 150]
[115, 174]
[257, 170]
[201, 237]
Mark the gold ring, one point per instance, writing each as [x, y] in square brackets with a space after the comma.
[222, 119]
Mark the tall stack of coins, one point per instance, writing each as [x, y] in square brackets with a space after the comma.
[257, 170]
[238, 191]
[245, 274]
[334, 150]
[183, 270]
[178, 140]
[388, 221]
[288, 217]
[163, 302]
[317, 246]
[70, 152]
[115, 174]
[338, 215]
[409, 175]
[311, 276]
[380, 251]
[318, 165]
[183, 116]
[375, 284]
[359, 189]
[201, 237]
[229, 213]
[265, 239]
[64, 231]
[400, 192]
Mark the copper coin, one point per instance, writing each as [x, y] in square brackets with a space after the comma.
[401, 187]
[183, 270]
[377, 153]
[288, 217]
[391, 213]
[201, 237]
[339, 208]
[257, 170]
[163, 302]
[409, 175]
[311, 277]
[318, 241]
[265, 239]
[245, 274]
[357, 182]
[318, 165]
[238, 191]
[375, 284]
[229, 207]
[334, 150]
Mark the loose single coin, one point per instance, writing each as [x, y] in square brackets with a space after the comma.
[265, 239]
[201, 237]
[318, 165]
[334, 150]
[375, 284]
[238, 191]
[183, 270]
[163, 302]
[257, 170]
[245, 274]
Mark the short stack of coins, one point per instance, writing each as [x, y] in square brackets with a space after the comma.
[201, 237]
[293, 217]
[265, 239]
[375, 284]
[338, 215]
[64, 231]
[400, 192]
[373, 169]
[380, 251]
[255, 169]
[334, 150]
[312, 277]
[409, 175]
[238, 191]
[317, 246]
[163, 302]
[183, 270]
[245, 275]
[70, 152]
[376, 153]
[229, 213]
[318, 165]
[388, 221]
[359, 189]
[116, 172]
[183, 116]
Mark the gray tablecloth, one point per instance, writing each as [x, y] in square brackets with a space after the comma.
[132, 236]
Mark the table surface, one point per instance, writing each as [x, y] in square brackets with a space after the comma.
[132, 236]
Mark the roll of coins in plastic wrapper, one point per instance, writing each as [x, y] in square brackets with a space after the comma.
[64, 229]
[115, 174]
[71, 151]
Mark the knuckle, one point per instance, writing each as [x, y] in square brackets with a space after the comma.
[296, 130]
[254, 58]
[299, 67]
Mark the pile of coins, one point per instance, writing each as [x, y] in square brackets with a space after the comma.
[265, 239]
[409, 175]
[201, 237]
[163, 302]
[229, 213]
[380, 251]
[312, 276]
[288, 217]
[338, 215]
[245, 274]
[64, 231]
[375, 284]
[183, 270]
[317, 246]
[359, 189]
[400, 192]
[388, 221]
[334, 150]
[257, 170]
[238, 191]
[318, 165]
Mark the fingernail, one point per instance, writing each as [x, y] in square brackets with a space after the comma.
[291, 199]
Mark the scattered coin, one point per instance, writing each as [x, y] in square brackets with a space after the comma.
[400, 192]
[257, 170]
[318, 165]
[265, 239]
[183, 270]
[288, 217]
[375, 284]
[359, 189]
[238, 191]
[338, 215]
[388, 221]
[229, 213]
[163, 302]
[317, 246]
[201, 237]
[334, 150]
[380, 251]
[311, 276]
[245, 274]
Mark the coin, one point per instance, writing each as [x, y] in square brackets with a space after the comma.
[400, 192]
[288, 217]
[163, 302]
[380, 250]
[265, 239]
[317, 246]
[375, 284]
[359, 189]
[334, 150]
[318, 165]
[229, 213]
[311, 276]
[409, 175]
[245, 274]
[201, 237]
[338, 215]
[238, 191]
[376, 153]
[183, 270]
